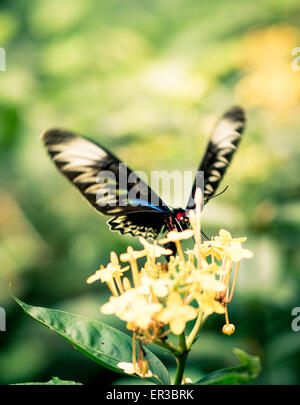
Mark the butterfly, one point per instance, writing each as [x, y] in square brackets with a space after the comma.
[87, 166]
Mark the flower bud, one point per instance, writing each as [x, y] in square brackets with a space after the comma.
[143, 366]
[198, 196]
[126, 284]
[228, 329]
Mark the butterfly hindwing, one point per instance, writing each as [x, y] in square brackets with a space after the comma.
[138, 224]
[219, 153]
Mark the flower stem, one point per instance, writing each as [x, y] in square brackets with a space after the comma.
[167, 346]
[233, 283]
[199, 322]
[198, 201]
[180, 251]
[134, 350]
[181, 357]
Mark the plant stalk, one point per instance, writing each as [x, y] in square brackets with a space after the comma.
[199, 322]
[181, 357]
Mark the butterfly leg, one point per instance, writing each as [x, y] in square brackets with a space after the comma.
[171, 246]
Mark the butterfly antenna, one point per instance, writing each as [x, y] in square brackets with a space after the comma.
[217, 195]
[223, 191]
[203, 234]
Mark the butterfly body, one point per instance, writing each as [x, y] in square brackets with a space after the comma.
[113, 189]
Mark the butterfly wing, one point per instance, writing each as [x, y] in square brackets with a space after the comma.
[219, 153]
[107, 183]
[148, 225]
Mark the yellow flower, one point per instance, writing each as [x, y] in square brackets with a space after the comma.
[113, 270]
[236, 252]
[118, 305]
[212, 248]
[111, 274]
[105, 275]
[154, 250]
[208, 304]
[140, 312]
[226, 239]
[143, 368]
[162, 292]
[160, 286]
[208, 282]
[177, 314]
[131, 257]
[129, 368]
[175, 236]
[133, 254]
[225, 245]
[96, 276]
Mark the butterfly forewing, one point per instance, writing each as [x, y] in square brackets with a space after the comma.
[107, 183]
[219, 153]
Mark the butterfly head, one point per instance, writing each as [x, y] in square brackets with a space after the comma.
[182, 216]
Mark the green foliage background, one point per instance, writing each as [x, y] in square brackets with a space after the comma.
[148, 79]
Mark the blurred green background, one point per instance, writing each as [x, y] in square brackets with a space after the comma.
[148, 79]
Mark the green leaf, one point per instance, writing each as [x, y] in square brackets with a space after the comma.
[243, 374]
[96, 340]
[53, 381]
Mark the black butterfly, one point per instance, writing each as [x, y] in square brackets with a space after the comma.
[83, 162]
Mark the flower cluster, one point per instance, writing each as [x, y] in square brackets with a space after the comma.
[162, 297]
